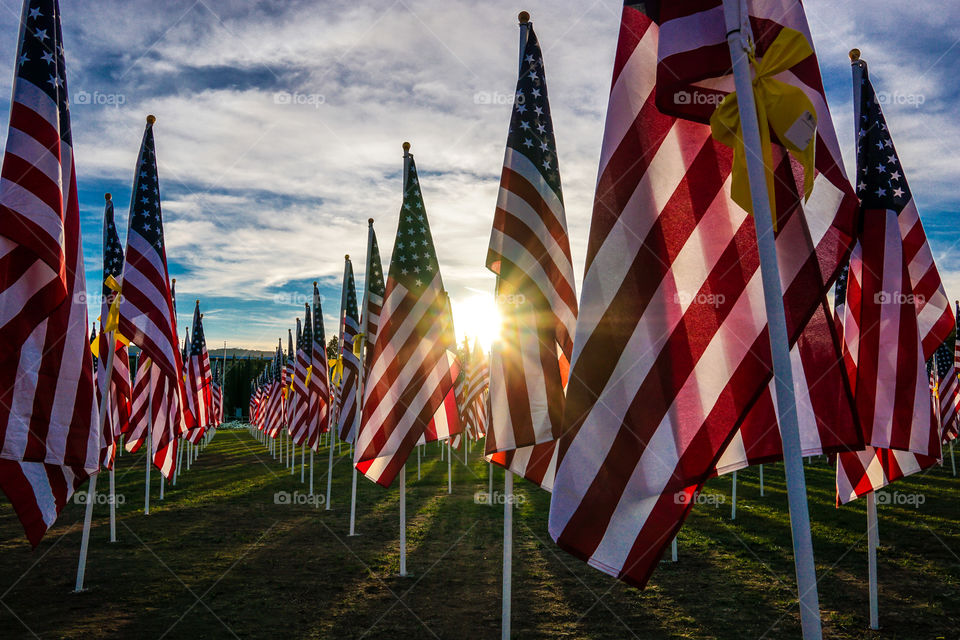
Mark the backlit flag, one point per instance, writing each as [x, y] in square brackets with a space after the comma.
[530, 254]
[410, 373]
[147, 315]
[140, 400]
[292, 366]
[318, 384]
[671, 351]
[216, 389]
[373, 292]
[896, 315]
[348, 411]
[118, 411]
[475, 395]
[446, 422]
[49, 440]
[300, 420]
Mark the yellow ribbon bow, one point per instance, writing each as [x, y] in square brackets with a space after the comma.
[336, 370]
[780, 106]
[358, 344]
[113, 314]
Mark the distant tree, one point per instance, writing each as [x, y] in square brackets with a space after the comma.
[333, 348]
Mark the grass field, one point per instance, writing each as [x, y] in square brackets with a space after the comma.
[218, 558]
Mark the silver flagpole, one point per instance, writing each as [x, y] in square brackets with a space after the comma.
[738, 40]
[146, 484]
[403, 469]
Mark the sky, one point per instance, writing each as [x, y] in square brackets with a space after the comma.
[280, 123]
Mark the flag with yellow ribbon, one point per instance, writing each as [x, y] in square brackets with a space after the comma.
[782, 107]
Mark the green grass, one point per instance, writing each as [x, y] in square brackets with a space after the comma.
[218, 559]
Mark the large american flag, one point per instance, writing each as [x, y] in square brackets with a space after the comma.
[671, 350]
[49, 440]
[319, 383]
[300, 420]
[410, 373]
[348, 410]
[896, 314]
[373, 292]
[275, 418]
[475, 393]
[530, 254]
[216, 394]
[147, 314]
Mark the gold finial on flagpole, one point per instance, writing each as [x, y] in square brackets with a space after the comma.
[346, 257]
[314, 283]
[107, 197]
[406, 147]
[854, 55]
[151, 119]
[523, 17]
[369, 221]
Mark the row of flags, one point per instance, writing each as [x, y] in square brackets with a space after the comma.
[60, 419]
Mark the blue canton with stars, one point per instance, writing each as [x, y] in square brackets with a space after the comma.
[306, 338]
[531, 128]
[414, 263]
[350, 304]
[145, 216]
[199, 344]
[112, 249]
[374, 274]
[318, 336]
[40, 59]
[944, 359]
[880, 180]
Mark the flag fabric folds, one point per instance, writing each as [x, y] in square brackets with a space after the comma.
[671, 350]
[373, 292]
[300, 420]
[896, 314]
[475, 393]
[348, 410]
[318, 384]
[199, 378]
[410, 373]
[49, 439]
[530, 254]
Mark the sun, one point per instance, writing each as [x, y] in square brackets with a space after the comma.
[477, 318]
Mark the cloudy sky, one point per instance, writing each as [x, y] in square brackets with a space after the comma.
[279, 125]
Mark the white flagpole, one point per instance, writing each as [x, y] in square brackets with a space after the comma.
[738, 37]
[449, 466]
[329, 470]
[113, 508]
[673, 550]
[303, 460]
[146, 484]
[92, 488]
[162, 482]
[403, 521]
[418, 462]
[953, 461]
[311, 471]
[761, 481]
[507, 554]
[873, 540]
[733, 498]
[490, 481]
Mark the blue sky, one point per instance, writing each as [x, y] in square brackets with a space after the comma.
[279, 126]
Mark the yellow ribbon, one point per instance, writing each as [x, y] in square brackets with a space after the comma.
[113, 314]
[780, 106]
[358, 344]
[306, 381]
[336, 370]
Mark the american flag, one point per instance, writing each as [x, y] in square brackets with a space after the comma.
[319, 383]
[446, 421]
[199, 377]
[347, 400]
[286, 379]
[147, 315]
[896, 314]
[672, 351]
[118, 411]
[475, 394]
[274, 418]
[139, 401]
[373, 292]
[948, 391]
[216, 394]
[530, 254]
[49, 439]
[300, 420]
[410, 373]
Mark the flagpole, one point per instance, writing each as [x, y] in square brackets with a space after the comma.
[733, 498]
[92, 488]
[873, 541]
[113, 507]
[303, 460]
[403, 521]
[953, 461]
[311, 470]
[329, 469]
[507, 570]
[761, 481]
[673, 550]
[146, 486]
[737, 27]
[418, 462]
[449, 466]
